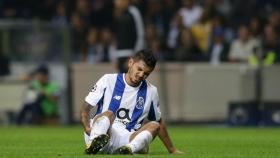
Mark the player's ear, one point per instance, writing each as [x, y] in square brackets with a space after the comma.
[130, 62]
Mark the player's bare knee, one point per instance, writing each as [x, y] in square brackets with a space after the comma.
[157, 126]
[154, 126]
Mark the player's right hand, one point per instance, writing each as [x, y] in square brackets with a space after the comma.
[176, 151]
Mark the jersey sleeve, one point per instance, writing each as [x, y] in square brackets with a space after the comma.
[97, 91]
[154, 112]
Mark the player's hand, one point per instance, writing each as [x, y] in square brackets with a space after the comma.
[175, 151]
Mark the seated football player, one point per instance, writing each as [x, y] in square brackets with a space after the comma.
[124, 102]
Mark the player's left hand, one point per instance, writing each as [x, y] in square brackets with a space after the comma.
[176, 151]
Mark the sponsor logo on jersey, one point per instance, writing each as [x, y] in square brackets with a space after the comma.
[123, 116]
[124, 122]
[123, 113]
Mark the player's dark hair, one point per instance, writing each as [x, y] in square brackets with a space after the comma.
[147, 56]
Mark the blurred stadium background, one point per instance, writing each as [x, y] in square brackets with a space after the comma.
[195, 86]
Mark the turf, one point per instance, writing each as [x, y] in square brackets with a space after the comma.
[196, 142]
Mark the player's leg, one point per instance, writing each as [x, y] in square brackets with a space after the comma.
[98, 137]
[119, 136]
[101, 123]
[140, 139]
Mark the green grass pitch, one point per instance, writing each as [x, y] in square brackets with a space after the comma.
[196, 142]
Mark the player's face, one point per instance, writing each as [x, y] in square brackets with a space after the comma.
[137, 71]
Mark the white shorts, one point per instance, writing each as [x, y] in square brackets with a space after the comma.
[119, 136]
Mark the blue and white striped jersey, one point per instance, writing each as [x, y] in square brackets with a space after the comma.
[131, 105]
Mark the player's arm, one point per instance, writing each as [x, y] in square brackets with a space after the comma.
[91, 101]
[164, 137]
[163, 133]
[85, 114]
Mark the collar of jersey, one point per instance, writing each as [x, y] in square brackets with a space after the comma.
[130, 85]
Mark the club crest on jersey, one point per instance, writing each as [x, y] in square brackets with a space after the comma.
[140, 103]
